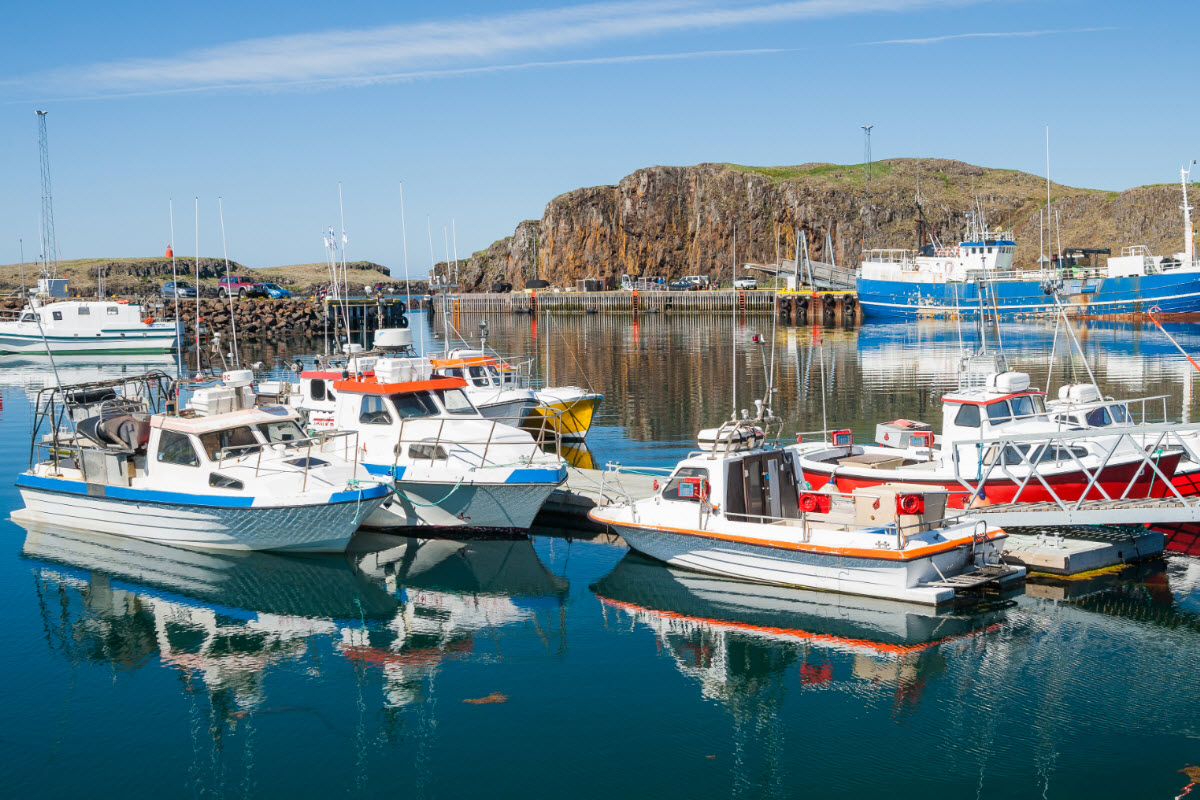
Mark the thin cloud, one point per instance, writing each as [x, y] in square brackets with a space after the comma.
[353, 57]
[986, 35]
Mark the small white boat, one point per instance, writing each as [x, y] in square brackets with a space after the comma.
[448, 465]
[739, 511]
[223, 474]
[86, 326]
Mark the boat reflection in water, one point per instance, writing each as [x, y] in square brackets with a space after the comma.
[229, 619]
[221, 617]
[736, 638]
[448, 591]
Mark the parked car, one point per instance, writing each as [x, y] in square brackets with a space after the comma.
[701, 281]
[276, 292]
[241, 286]
[682, 285]
[746, 282]
[173, 289]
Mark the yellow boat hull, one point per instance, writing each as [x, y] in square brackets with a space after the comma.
[569, 419]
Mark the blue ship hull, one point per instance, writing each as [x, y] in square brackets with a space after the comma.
[1172, 293]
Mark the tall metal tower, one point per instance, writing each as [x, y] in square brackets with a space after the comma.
[867, 148]
[49, 247]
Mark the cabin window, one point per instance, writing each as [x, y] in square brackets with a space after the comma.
[229, 443]
[373, 411]
[672, 490]
[284, 430]
[454, 373]
[84, 311]
[968, 417]
[1119, 413]
[455, 401]
[112, 311]
[27, 318]
[479, 376]
[1099, 417]
[1023, 406]
[316, 388]
[415, 405]
[998, 413]
[219, 481]
[176, 448]
[57, 314]
[428, 452]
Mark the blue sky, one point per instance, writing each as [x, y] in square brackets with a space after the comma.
[485, 112]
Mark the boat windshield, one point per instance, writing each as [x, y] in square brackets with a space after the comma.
[284, 431]
[479, 376]
[229, 443]
[413, 405]
[672, 490]
[1028, 405]
[455, 401]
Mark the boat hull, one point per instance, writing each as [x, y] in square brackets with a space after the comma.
[1066, 485]
[318, 527]
[1175, 292]
[569, 418]
[889, 578]
[499, 507]
[512, 410]
[149, 339]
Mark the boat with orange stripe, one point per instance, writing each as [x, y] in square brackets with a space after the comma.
[736, 508]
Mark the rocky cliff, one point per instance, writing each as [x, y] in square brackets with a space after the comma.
[673, 221]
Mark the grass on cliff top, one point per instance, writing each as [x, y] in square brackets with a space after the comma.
[850, 173]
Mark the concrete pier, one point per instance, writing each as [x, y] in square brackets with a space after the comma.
[1083, 551]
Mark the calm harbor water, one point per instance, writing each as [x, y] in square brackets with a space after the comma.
[560, 665]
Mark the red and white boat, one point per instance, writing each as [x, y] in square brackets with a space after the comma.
[974, 465]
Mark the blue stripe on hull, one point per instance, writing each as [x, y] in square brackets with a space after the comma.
[1174, 293]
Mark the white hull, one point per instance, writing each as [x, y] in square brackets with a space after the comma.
[874, 577]
[488, 506]
[513, 411]
[145, 341]
[319, 527]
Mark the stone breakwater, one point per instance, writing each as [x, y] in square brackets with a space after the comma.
[256, 319]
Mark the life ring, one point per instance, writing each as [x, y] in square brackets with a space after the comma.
[909, 504]
[122, 302]
[148, 321]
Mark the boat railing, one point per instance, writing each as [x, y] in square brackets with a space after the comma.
[888, 256]
[1136, 250]
[1141, 403]
[610, 480]
[439, 447]
[320, 440]
[1023, 460]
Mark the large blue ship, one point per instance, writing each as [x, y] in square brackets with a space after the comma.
[977, 276]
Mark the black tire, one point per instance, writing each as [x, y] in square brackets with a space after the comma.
[241, 294]
[222, 293]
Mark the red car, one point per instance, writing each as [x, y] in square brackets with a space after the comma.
[241, 286]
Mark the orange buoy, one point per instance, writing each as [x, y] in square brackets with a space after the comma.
[170, 252]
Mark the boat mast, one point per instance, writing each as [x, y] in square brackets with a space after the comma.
[404, 239]
[175, 284]
[733, 317]
[232, 312]
[197, 211]
[1189, 249]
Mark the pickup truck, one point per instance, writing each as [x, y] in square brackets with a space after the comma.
[241, 286]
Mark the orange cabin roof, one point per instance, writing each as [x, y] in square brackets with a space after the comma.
[372, 386]
[461, 362]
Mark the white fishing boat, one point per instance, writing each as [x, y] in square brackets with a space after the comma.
[86, 326]
[740, 511]
[109, 457]
[449, 467]
[969, 460]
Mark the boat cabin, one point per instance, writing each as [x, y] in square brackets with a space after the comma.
[373, 403]
[750, 485]
[478, 369]
[1005, 404]
[84, 317]
[1080, 405]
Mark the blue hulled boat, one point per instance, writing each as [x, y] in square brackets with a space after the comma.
[977, 275]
